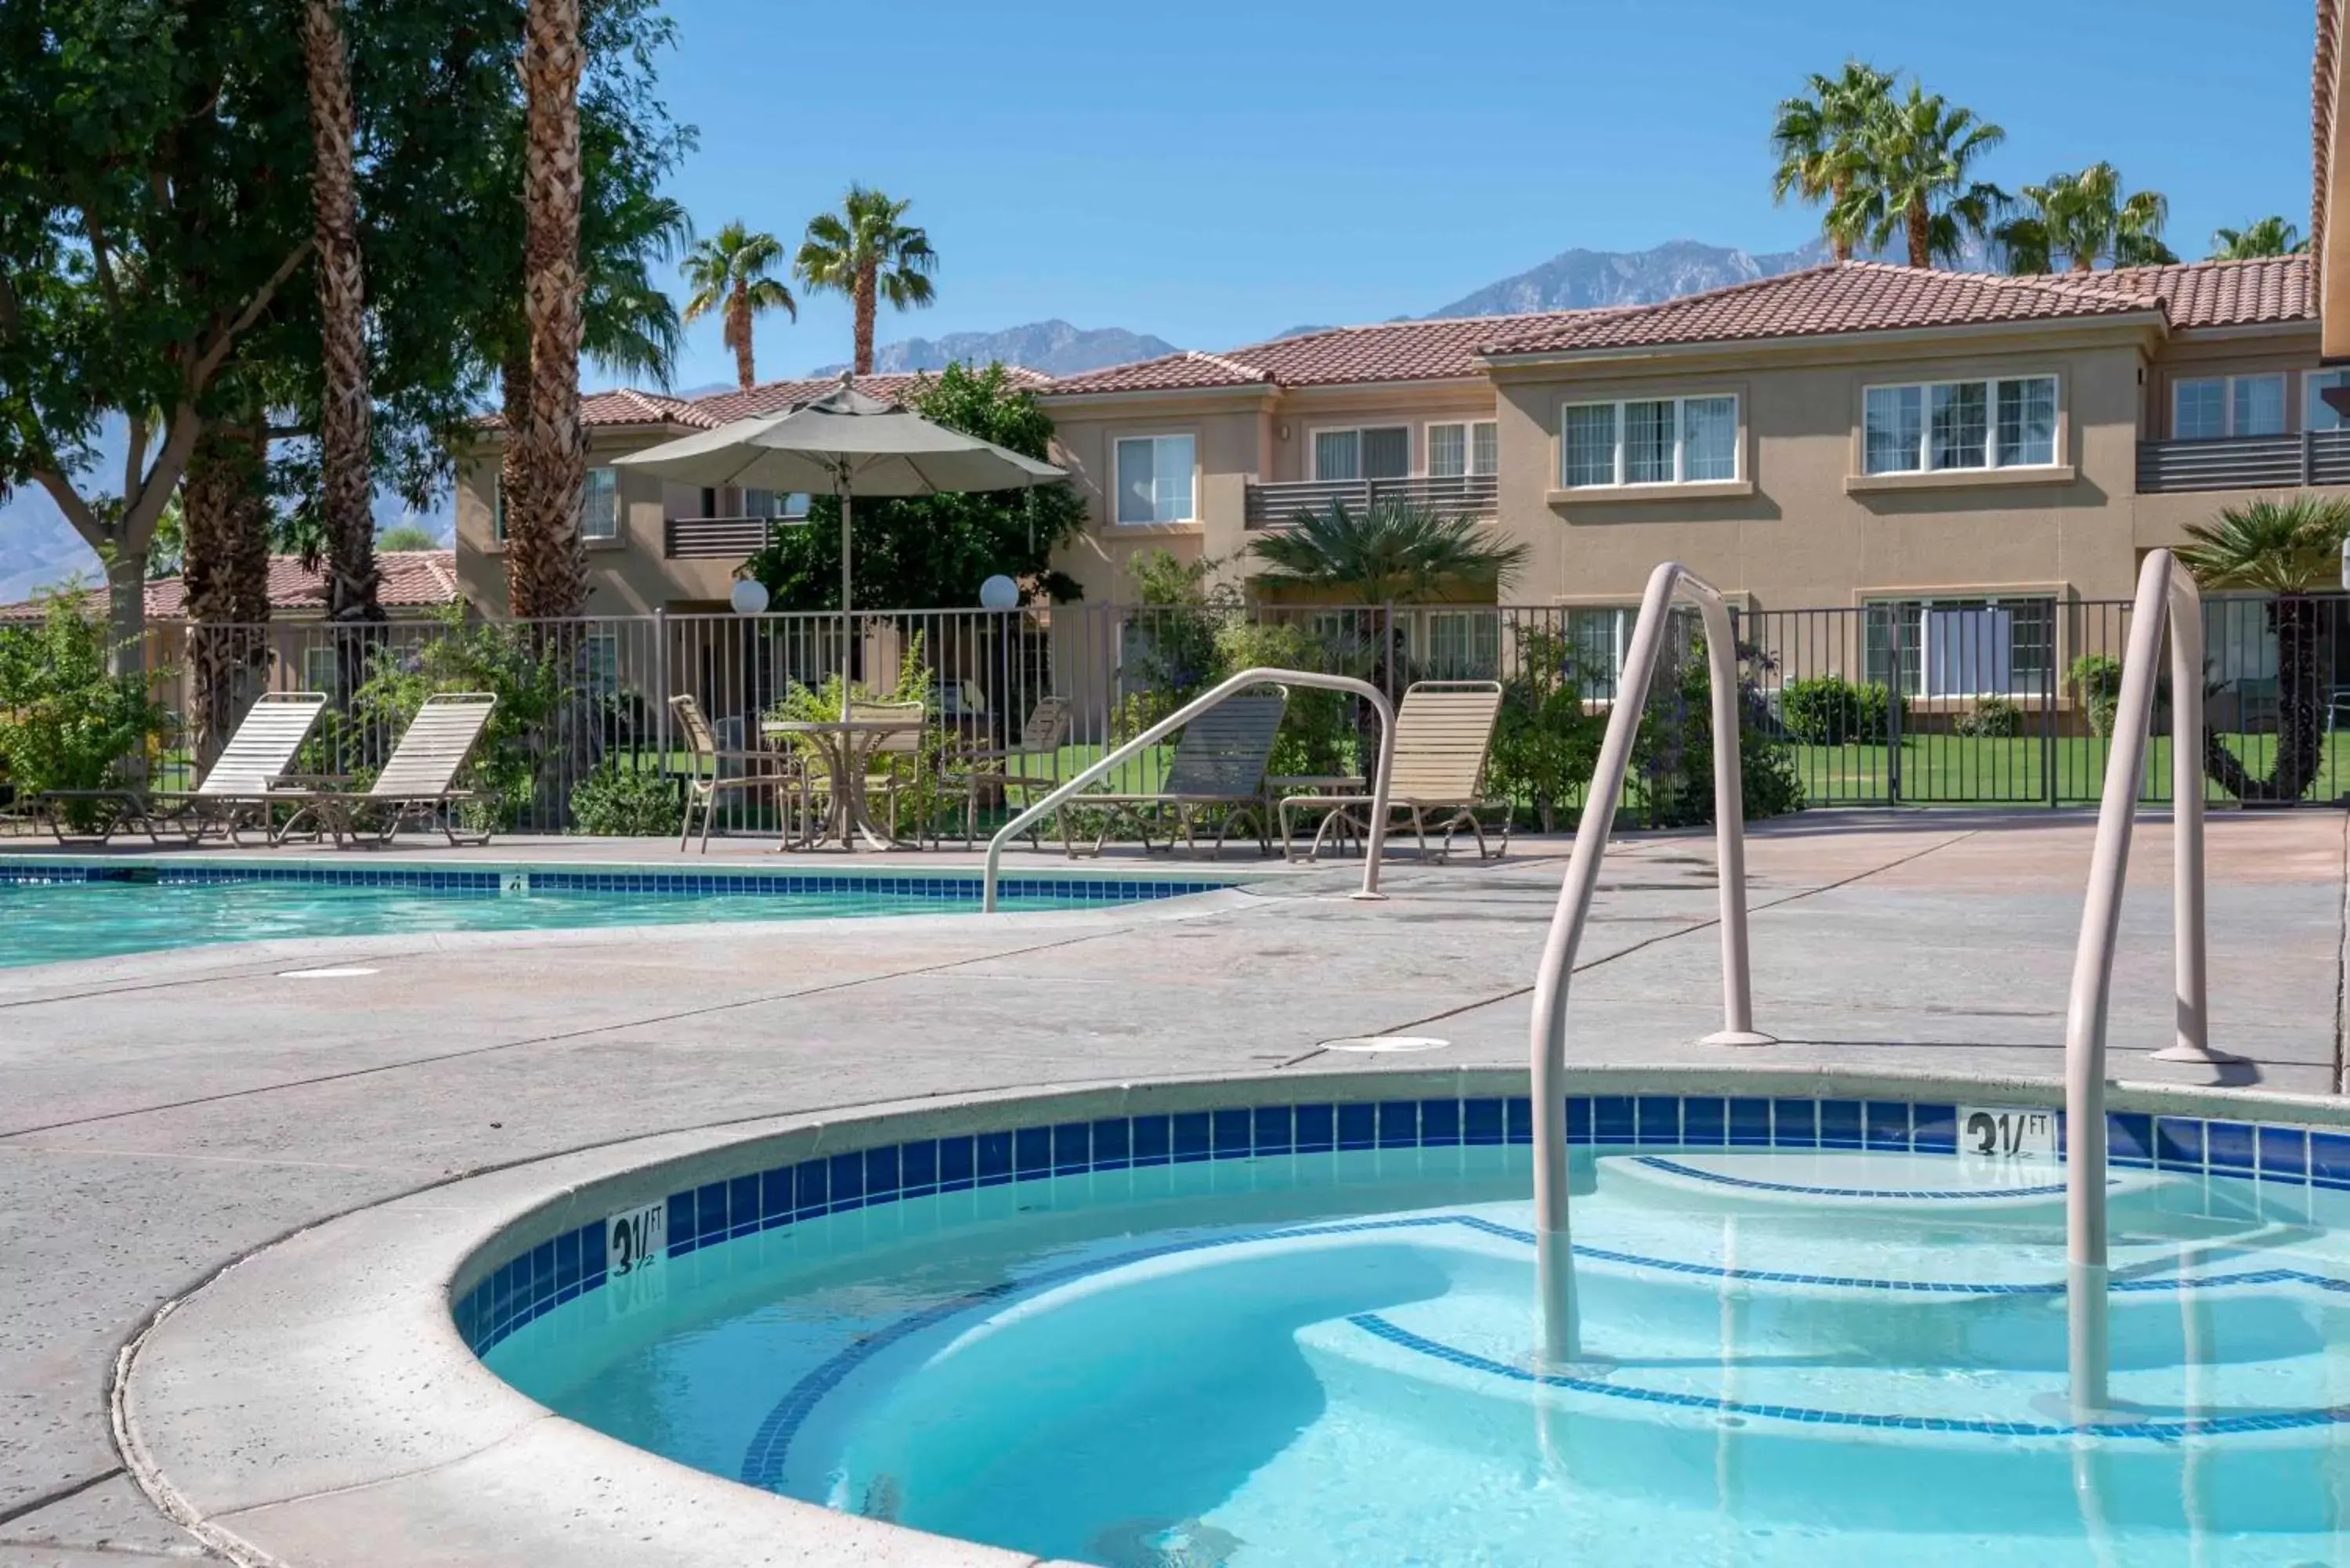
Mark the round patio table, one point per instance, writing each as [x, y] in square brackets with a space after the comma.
[844, 744]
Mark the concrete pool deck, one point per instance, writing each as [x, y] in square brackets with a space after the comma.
[167, 1115]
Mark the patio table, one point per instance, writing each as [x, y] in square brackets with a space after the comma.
[844, 744]
[1342, 827]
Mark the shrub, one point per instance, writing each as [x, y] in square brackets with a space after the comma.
[1829, 711]
[1317, 730]
[623, 800]
[1992, 718]
[1545, 744]
[1673, 759]
[2098, 683]
[65, 722]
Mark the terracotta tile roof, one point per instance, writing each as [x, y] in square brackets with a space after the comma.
[413, 579]
[2220, 293]
[1337, 356]
[1846, 297]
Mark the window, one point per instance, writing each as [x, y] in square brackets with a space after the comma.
[1379, 452]
[601, 662]
[322, 670]
[1463, 645]
[1455, 450]
[599, 506]
[1596, 642]
[792, 507]
[1963, 648]
[2319, 415]
[1939, 426]
[1649, 441]
[2209, 407]
[1154, 478]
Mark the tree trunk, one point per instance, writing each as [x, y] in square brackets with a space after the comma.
[865, 313]
[1921, 250]
[347, 491]
[514, 404]
[2295, 619]
[224, 515]
[545, 561]
[1839, 249]
[738, 336]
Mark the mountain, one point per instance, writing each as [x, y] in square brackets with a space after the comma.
[1580, 279]
[1055, 347]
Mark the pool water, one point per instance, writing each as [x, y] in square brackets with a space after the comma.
[138, 909]
[1824, 1359]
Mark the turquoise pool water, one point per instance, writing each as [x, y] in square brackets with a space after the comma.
[1824, 1359]
[78, 912]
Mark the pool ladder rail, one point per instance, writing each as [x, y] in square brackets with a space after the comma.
[2167, 594]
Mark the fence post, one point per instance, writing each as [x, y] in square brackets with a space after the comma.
[2308, 457]
[1894, 692]
[2048, 711]
[661, 688]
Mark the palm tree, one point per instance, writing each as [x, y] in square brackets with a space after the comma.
[629, 324]
[346, 487]
[547, 563]
[2287, 549]
[1391, 552]
[734, 270]
[2273, 235]
[2085, 219]
[1821, 137]
[864, 252]
[1916, 179]
[225, 532]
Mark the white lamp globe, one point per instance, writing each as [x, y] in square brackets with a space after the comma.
[748, 597]
[999, 593]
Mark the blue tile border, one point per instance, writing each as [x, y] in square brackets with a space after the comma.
[521, 1289]
[945, 888]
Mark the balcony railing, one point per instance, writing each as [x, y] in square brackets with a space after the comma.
[716, 538]
[2244, 462]
[1277, 505]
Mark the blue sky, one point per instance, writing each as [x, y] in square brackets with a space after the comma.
[1216, 171]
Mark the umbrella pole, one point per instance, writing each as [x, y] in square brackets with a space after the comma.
[847, 660]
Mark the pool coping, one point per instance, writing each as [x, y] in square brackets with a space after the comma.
[315, 1400]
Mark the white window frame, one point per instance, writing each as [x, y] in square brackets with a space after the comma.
[2314, 413]
[783, 507]
[1118, 478]
[618, 506]
[1926, 606]
[2227, 383]
[1468, 429]
[1411, 459]
[1680, 402]
[333, 659]
[1990, 463]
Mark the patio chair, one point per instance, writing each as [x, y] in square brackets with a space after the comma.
[234, 792]
[418, 781]
[730, 769]
[903, 739]
[1444, 731]
[1030, 765]
[1218, 768]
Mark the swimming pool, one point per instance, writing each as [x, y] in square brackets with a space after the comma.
[1304, 1333]
[62, 908]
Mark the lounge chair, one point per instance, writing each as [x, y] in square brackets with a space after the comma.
[1444, 731]
[1218, 768]
[418, 782]
[233, 794]
[729, 769]
[1027, 767]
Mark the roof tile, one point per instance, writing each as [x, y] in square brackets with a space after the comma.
[413, 579]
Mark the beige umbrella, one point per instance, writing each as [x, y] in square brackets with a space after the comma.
[843, 443]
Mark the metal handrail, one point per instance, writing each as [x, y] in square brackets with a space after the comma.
[1554, 1254]
[1189, 711]
[2165, 593]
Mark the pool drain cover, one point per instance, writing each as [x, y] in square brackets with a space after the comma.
[1383, 1043]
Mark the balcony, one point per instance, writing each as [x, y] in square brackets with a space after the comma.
[716, 538]
[1277, 505]
[2244, 462]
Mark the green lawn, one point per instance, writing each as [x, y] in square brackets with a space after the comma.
[2025, 769]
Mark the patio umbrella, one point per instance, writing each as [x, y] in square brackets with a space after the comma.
[845, 444]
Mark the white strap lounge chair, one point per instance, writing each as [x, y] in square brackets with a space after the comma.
[233, 794]
[1444, 732]
[1218, 771]
[418, 783]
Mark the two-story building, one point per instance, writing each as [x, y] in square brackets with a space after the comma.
[1963, 456]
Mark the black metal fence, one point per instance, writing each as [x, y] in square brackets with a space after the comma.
[1962, 700]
